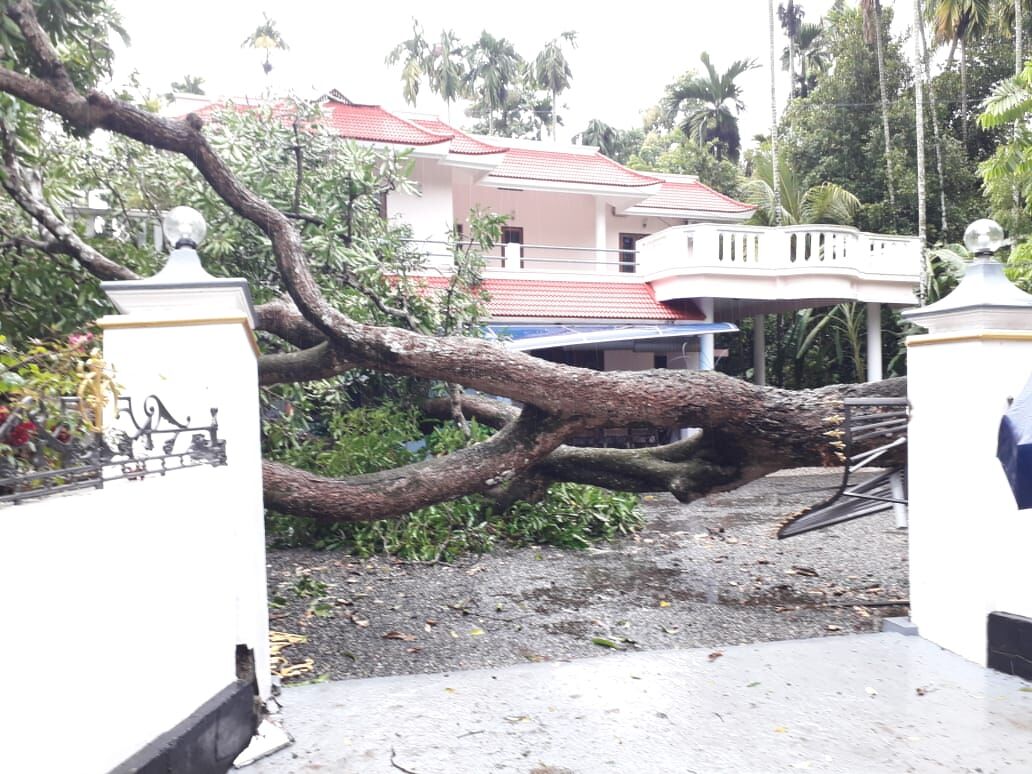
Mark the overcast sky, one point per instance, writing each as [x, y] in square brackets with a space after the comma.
[623, 60]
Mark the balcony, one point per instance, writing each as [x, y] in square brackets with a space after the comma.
[779, 268]
[811, 262]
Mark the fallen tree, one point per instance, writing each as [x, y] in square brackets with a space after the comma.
[744, 431]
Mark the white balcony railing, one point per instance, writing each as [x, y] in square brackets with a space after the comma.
[813, 247]
[713, 248]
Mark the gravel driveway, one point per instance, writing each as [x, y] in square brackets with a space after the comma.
[701, 575]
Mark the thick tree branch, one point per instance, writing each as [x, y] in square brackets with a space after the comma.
[394, 492]
[318, 362]
[66, 241]
[281, 318]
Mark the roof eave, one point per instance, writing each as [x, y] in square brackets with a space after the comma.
[556, 186]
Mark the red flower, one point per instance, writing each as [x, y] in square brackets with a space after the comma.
[22, 434]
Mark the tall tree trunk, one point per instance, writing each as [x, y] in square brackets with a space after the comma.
[553, 115]
[1019, 61]
[963, 94]
[922, 215]
[791, 64]
[774, 173]
[1019, 32]
[926, 70]
[890, 182]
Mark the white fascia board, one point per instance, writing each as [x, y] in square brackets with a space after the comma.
[478, 163]
[701, 216]
[521, 184]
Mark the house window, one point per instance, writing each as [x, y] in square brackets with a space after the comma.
[512, 235]
[628, 254]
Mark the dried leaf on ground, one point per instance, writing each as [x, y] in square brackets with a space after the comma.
[395, 635]
[809, 572]
[715, 655]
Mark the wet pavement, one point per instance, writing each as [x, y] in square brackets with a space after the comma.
[863, 703]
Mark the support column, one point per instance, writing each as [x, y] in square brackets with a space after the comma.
[874, 343]
[601, 256]
[759, 338]
[706, 340]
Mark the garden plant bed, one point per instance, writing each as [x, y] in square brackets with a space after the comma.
[706, 574]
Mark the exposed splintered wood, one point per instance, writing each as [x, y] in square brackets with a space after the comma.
[745, 431]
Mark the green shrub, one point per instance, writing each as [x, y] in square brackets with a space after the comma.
[368, 439]
[573, 516]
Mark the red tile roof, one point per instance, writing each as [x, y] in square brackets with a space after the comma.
[374, 124]
[461, 142]
[691, 195]
[559, 167]
[526, 299]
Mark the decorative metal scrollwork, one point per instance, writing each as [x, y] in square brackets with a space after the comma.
[43, 454]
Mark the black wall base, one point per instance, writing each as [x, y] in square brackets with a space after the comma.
[1010, 644]
[204, 743]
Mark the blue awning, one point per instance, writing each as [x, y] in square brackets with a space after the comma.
[527, 337]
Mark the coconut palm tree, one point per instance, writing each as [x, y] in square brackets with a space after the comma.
[601, 134]
[414, 54]
[811, 55]
[791, 17]
[824, 203]
[447, 69]
[266, 38]
[872, 16]
[191, 84]
[709, 105]
[494, 71]
[956, 22]
[552, 71]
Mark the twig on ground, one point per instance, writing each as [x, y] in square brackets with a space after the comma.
[399, 768]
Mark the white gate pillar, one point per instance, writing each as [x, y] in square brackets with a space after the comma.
[188, 338]
[968, 542]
